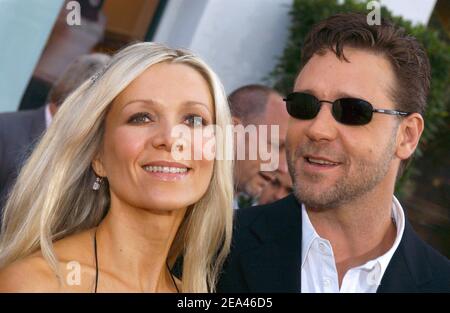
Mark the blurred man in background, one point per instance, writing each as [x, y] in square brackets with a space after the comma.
[276, 189]
[259, 105]
[19, 131]
[65, 43]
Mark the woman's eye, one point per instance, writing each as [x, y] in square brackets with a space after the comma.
[140, 118]
[195, 120]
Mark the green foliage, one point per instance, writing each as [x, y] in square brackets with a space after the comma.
[305, 13]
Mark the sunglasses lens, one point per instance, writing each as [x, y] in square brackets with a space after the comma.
[352, 111]
[302, 106]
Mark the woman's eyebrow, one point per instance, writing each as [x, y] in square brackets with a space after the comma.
[196, 103]
[153, 102]
[146, 101]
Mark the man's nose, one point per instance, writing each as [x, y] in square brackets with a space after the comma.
[323, 126]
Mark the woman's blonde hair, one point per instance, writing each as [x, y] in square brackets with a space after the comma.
[53, 195]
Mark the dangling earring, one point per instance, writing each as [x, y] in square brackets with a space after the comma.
[97, 183]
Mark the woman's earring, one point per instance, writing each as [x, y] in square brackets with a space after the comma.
[97, 183]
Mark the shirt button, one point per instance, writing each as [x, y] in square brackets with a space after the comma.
[322, 247]
[326, 282]
[373, 276]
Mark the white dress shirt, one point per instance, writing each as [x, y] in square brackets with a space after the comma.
[48, 116]
[318, 268]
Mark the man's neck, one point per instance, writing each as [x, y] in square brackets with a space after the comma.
[237, 174]
[358, 231]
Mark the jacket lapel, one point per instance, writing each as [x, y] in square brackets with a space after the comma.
[409, 267]
[274, 265]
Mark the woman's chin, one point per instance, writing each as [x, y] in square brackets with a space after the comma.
[168, 205]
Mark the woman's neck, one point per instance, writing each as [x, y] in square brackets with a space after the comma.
[133, 245]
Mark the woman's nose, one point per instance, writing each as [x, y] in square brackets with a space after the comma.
[163, 137]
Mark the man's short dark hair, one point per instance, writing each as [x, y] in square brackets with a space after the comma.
[406, 55]
[249, 102]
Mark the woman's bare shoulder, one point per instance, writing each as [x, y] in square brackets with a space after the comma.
[30, 274]
[34, 274]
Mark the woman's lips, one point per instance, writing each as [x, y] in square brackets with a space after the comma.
[167, 173]
[163, 163]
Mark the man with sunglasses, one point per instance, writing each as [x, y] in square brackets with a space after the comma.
[356, 117]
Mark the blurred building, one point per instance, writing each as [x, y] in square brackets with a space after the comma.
[241, 40]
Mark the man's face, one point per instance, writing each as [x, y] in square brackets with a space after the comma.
[359, 158]
[249, 175]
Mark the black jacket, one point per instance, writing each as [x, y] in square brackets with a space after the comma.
[266, 255]
[19, 131]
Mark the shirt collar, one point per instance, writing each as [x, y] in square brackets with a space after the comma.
[309, 234]
[399, 219]
[48, 116]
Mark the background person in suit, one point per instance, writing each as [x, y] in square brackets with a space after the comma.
[279, 187]
[65, 44]
[343, 230]
[257, 105]
[20, 130]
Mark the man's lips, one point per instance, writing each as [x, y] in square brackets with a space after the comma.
[317, 160]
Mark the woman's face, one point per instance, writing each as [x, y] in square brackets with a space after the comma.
[136, 155]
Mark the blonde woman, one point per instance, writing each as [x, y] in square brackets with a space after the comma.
[102, 205]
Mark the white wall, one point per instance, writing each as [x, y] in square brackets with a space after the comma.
[24, 29]
[417, 11]
[239, 39]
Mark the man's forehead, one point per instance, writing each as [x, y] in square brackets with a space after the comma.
[364, 73]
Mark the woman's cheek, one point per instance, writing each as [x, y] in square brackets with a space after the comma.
[124, 145]
[208, 146]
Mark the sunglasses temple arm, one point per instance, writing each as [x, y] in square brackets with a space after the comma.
[391, 112]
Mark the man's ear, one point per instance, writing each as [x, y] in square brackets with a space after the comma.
[409, 133]
[97, 166]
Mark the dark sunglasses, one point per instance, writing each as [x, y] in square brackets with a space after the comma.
[349, 111]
